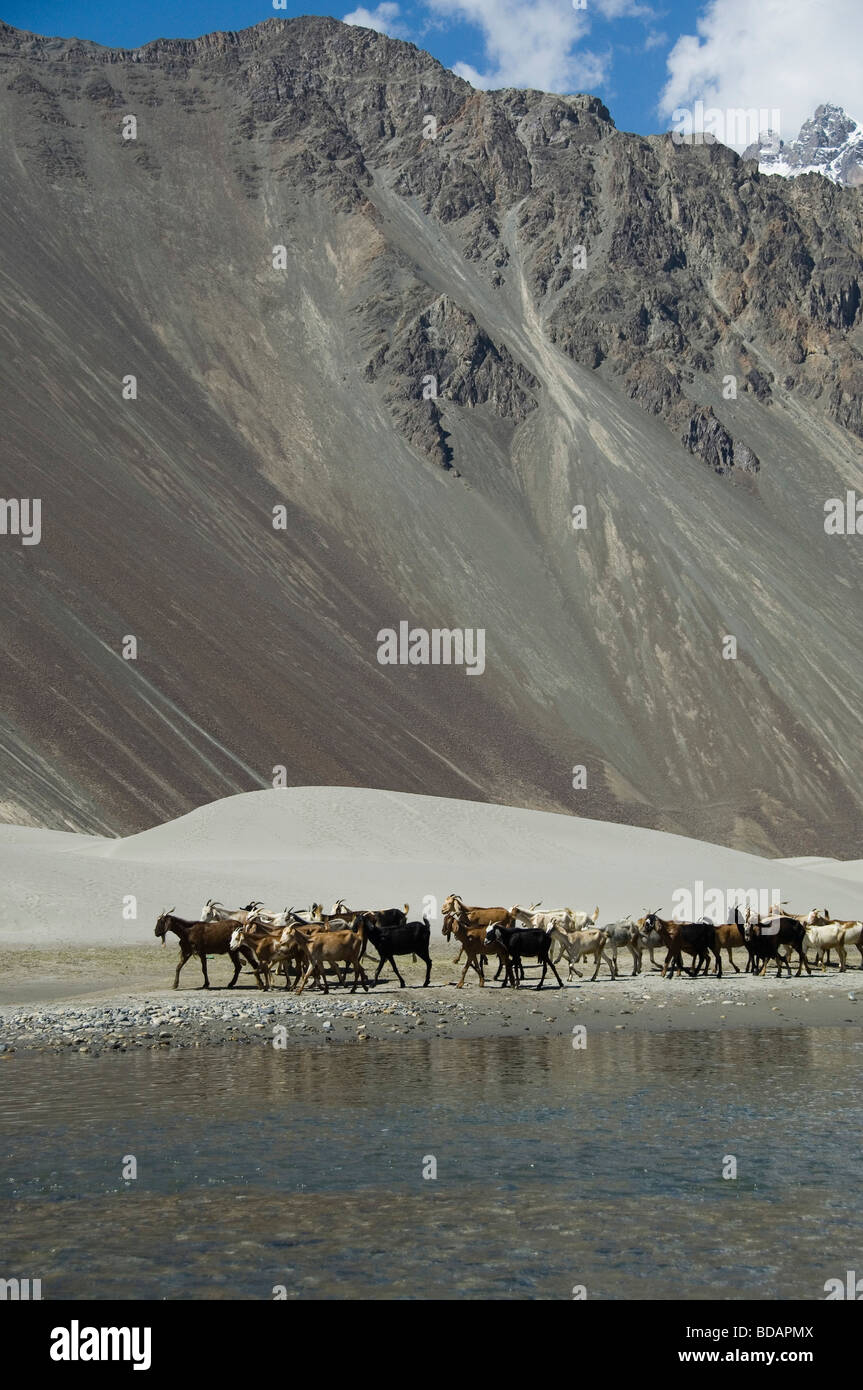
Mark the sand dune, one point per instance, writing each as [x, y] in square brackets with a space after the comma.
[371, 847]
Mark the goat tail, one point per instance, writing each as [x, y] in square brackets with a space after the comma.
[362, 928]
[359, 925]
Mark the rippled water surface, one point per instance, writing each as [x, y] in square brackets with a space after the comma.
[555, 1168]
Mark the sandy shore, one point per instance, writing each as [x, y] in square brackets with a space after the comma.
[108, 1000]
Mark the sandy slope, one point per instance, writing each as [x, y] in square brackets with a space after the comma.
[372, 848]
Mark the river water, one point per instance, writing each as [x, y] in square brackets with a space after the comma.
[556, 1168]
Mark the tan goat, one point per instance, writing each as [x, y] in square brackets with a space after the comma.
[324, 947]
[475, 946]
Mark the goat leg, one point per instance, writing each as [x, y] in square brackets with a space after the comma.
[556, 976]
[184, 956]
[235, 961]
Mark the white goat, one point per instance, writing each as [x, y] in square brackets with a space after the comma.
[575, 921]
[217, 912]
[580, 941]
[559, 916]
[828, 937]
[818, 914]
[262, 918]
[852, 935]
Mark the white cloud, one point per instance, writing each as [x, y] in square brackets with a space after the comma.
[622, 9]
[384, 18]
[655, 39]
[476, 79]
[528, 43]
[785, 54]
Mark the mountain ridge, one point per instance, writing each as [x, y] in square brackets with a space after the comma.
[407, 259]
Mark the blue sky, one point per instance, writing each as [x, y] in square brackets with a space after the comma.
[642, 57]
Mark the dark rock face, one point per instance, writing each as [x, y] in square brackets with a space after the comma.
[494, 307]
[706, 436]
[443, 350]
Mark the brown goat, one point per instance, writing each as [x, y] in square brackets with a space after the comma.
[263, 942]
[292, 949]
[475, 947]
[202, 939]
[477, 916]
[326, 947]
[728, 936]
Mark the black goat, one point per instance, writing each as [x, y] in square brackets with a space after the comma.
[401, 939]
[695, 939]
[793, 934]
[388, 916]
[519, 942]
[763, 941]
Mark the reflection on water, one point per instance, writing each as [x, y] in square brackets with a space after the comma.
[555, 1167]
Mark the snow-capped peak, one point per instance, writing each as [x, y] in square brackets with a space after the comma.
[829, 143]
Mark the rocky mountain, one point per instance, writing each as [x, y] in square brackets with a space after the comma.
[404, 351]
[830, 143]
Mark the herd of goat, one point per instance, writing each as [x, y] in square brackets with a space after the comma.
[310, 945]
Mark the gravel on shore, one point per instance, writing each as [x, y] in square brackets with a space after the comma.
[189, 1018]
